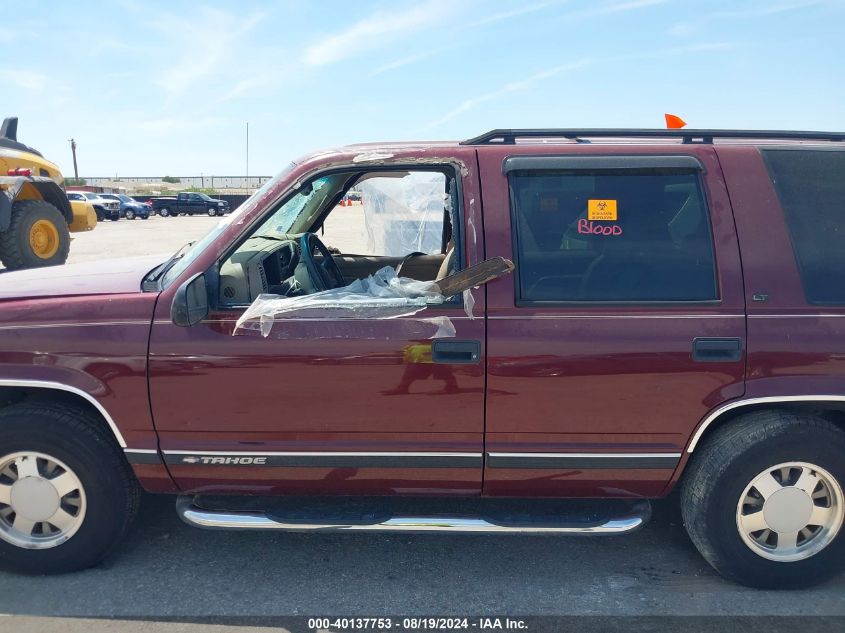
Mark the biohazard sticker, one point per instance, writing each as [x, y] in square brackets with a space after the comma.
[598, 210]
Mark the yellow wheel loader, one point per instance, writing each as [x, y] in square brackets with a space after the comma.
[35, 215]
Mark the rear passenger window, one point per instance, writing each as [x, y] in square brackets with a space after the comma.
[632, 235]
[811, 187]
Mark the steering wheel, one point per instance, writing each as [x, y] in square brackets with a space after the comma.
[324, 275]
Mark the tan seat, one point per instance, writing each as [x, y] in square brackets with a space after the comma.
[446, 267]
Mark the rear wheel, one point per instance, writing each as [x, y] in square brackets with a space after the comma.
[67, 494]
[763, 500]
[37, 236]
[164, 212]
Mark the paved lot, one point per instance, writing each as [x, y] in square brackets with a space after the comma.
[167, 569]
[137, 237]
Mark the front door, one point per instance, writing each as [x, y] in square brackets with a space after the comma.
[325, 405]
[623, 325]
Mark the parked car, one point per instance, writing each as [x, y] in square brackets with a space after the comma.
[129, 207]
[106, 209]
[675, 321]
[189, 204]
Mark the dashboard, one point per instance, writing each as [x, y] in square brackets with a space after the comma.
[260, 265]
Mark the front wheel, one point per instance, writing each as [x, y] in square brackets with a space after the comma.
[763, 501]
[67, 494]
[212, 211]
[130, 214]
[38, 235]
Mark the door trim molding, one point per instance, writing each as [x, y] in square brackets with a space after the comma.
[326, 459]
[423, 459]
[584, 461]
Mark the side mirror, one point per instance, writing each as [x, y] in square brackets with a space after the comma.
[190, 304]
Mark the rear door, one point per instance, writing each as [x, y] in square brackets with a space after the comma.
[624, 322]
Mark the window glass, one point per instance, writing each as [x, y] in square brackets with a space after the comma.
[390, 214]
[612, 235]
[811, 188]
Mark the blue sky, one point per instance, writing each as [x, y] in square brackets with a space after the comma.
[149, 88]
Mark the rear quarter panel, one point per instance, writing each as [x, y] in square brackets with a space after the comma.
[794, 348]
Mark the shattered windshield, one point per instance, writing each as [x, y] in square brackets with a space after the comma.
[299, 212]
[235, 216]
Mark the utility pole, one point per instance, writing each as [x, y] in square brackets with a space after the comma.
[247, 154]
[73, 151]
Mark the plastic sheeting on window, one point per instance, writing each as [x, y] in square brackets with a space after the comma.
[366, 308]
[403, 213]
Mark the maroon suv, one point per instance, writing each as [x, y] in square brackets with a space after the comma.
[675, 319]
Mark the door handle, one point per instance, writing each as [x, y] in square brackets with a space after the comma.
[456, 352]
[716, 350]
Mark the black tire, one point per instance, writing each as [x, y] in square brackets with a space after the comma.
[112, 494]
[212, 211]
[164, 212]
[16, 250]
[129, 215]
[100, 215]
[727, 462]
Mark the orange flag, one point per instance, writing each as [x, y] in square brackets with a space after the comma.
[674, 122]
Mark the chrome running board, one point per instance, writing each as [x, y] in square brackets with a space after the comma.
[191, 514]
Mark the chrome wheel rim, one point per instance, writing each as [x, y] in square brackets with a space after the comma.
[42, 501]
[790, 512]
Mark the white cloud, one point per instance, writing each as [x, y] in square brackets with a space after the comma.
[376, 30]
[205, 43]
[513, 13]
[620, 7]
[410, 59]
[769, 8]
[680, 29]
[683, 29]
[474, 102]
[23, 79]
[515, 86]
[247, 85]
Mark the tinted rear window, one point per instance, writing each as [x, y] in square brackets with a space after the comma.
[811, 187]
[631, 235]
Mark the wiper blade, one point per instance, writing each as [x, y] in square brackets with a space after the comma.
[173, 259]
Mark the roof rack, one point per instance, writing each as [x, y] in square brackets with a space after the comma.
[508, 137]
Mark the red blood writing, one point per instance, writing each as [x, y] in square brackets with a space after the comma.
[585, 227]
